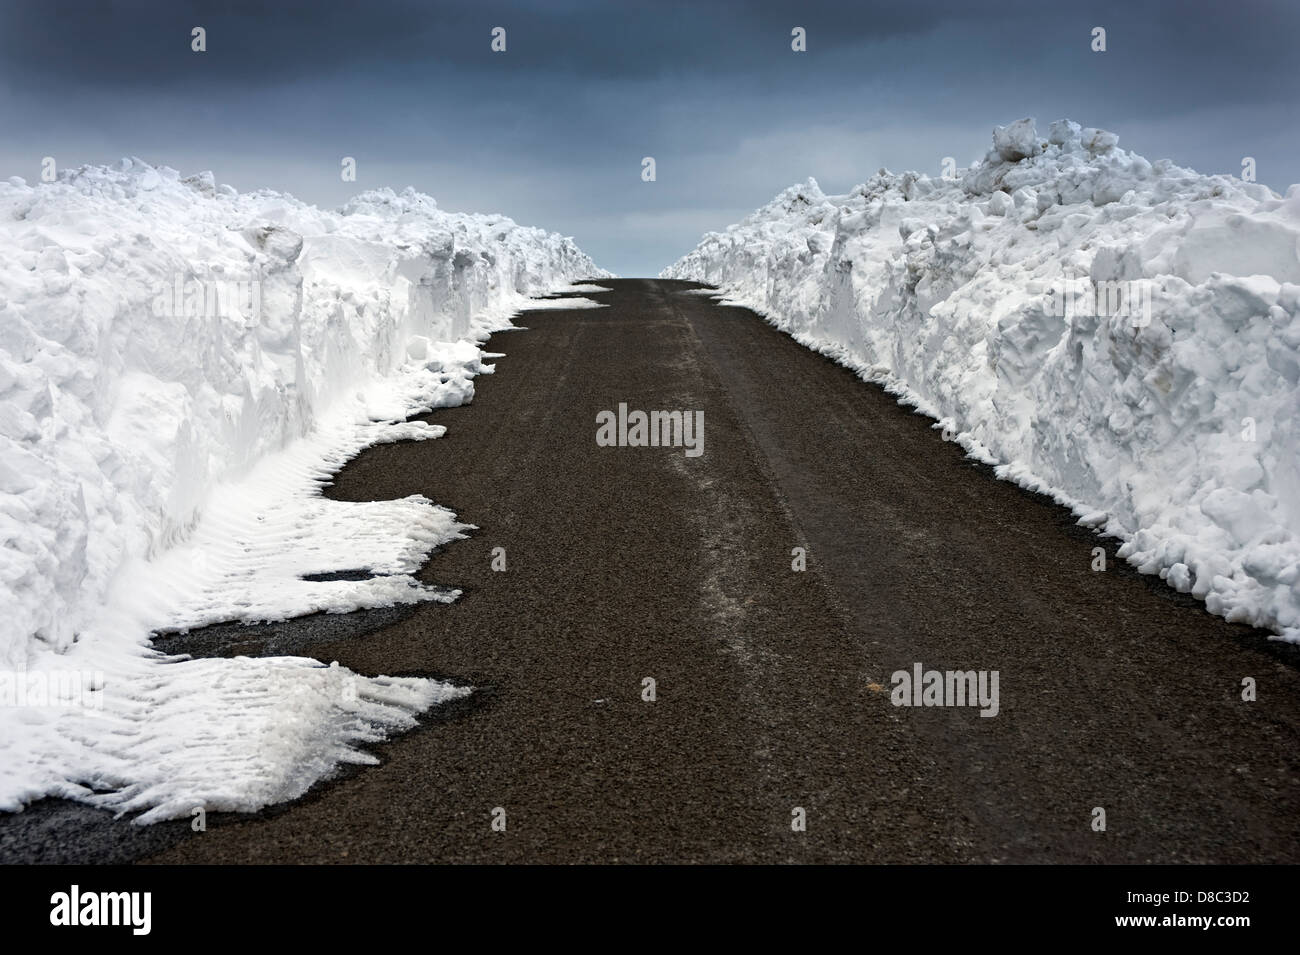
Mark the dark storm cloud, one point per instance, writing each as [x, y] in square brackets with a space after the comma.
[552, 132]
[136, 43]
[1217, 48]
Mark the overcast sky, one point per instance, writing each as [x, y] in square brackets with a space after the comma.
[552, 132]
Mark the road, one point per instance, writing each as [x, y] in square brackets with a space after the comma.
[772, 685]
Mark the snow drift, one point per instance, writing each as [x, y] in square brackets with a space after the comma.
[181, 368]
[1118, 333]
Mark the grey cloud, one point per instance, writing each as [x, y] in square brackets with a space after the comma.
[553, 131]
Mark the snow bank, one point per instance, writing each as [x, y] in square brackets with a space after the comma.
[181, 368]
[1119, 333]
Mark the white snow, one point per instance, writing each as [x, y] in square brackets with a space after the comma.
[1121, 334]
[559, 304]
[181, 368]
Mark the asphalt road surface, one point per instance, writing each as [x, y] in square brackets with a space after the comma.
[772, 686]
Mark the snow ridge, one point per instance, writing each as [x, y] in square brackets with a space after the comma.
[1121, 334]
[181, 369]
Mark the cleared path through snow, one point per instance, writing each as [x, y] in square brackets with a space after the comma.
[772, 686]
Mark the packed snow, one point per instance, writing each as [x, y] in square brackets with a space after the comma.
[1121, 334]
[182, 368]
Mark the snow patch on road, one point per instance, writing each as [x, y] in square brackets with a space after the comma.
[1173, 426]
[538, 304]
[182, 368]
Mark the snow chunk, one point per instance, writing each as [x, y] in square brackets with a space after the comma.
[1017, 141]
